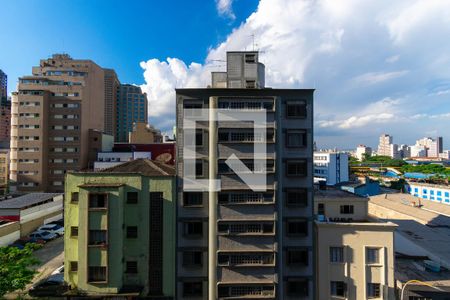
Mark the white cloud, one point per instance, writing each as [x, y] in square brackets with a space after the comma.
[225, 8]
[349, 51]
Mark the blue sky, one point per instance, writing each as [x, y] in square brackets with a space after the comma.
[115, 34]
[378, 66]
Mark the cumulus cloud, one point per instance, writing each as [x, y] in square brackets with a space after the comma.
[374, 66]
[225, 8]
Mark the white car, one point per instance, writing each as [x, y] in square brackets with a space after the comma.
[53, 228]
[43, 235]
[59, 270]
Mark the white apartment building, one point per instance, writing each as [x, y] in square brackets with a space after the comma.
[110, 159]
[418, 151]
[433, 146]
[386, 146]
[331, 167]
[361, 151]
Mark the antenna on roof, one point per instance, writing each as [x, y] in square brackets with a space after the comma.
[253, 41]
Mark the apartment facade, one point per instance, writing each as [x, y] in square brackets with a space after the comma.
[5, 111]
[237, 243]
[132, 106]
[112, 85]
[332, 167]
[120, 230]
[355, 255]
[52, 112]
[3, 85]
[362, 151]
[4, 170]
[143, 133]
[384, 145]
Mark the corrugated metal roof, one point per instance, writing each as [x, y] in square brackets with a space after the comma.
[27, 200]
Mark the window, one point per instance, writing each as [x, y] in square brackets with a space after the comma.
[98, 200]
[321, 209]
[296, 109]
[193, 289]
[74, 231]
[198, 137]
[97, 274]
[73, 266]
[193, 228]
[373, 255]
[346, 209]
[297, 197]
[239, 259]
[296, 168]
[336, 254]
[338, 288]
[295, 138]
[297, 227]
[250, 84]
[250, 58]
[373, 290]
[250, 228]
[193, 199]
[199, 168]
[297, 257]
[132, 197]
[297, 287]
[97, 237]
[192, 258]
[131, 267]
[74, 197]
[132, 232]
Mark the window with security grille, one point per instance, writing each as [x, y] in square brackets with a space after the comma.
[297, 257]
[96, 274]
[296, 197]
[338, 288]
[297, 227]
[373, 290]
[97, 237]
[247, 258]
[373, 255]
[295, 138]
[193, 228]
[297, 168]
[98, 200]
[73, 266]
[296, 109]
[297, 287]
[192, 199]
[132, 197]
[193, 258]
[131, 267]
[193, 289]
[337, 254]
[74, 231]
[132, 232]
[155, 255]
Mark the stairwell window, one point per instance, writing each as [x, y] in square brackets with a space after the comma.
[338, 288]
[373, 255]
[373, 290]
[98, 201]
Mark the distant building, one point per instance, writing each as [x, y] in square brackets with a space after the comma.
[418, 151]
[110, 159]
[445, 154]
[384, 145]
[142, 133]
[120, 230]
[404, 151]
[20, 216]
[4, 170]
[53, 111]
[433, 146]
[132, 107]
[331, 167]
[432, 192]
[98, 142]
[112, 85]
[363, 189]
[393, 151]
[354, 254]
[162, 152]
[362, 151]
[3, 85]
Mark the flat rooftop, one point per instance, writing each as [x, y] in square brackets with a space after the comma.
[413, 268]
[429, 230]
[334, 194]
[27, 200]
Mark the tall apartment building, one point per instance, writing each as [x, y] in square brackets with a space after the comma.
[384, 146]
[132, 106]
[120, 230]
[4, 170]
[3, 85]
[332, 167]
[362, 151]
[355, 255]
[238, 243]
[52, 112]
[112, 85]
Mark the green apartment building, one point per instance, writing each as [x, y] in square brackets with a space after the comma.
[120, 230]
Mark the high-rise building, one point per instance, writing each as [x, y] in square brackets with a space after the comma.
[355, 255]
[112, 85]
[52, 112]
[132, 106]
[362, 151]
[120, 230]
[404, 151]
[433, 146]
[384, 146]
[3, 85]
[240, 242]
[331, 167]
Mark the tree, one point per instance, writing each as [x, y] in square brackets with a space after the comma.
[15, 268]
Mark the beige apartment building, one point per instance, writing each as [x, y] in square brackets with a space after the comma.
[144, 133]
[4, 170]
[52, 112]
[354, 254]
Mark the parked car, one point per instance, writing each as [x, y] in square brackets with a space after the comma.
[54, 285]
[26, 240]
[17, 245]
[43, 235]
[53, 228]
[59, 270]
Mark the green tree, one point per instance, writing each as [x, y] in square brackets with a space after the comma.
[15, 268]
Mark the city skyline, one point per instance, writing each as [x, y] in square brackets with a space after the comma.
[401, 88]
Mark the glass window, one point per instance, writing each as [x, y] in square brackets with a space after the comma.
[373, 290]
[373, 255]
[338, 288]
[132, 197]
[296, 109]
[132, 232]
[347, 209]
[337, 254]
